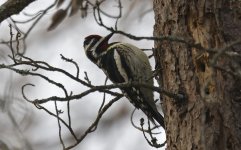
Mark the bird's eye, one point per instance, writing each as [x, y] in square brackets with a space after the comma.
[86, 42]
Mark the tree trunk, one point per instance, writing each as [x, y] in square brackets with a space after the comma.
[209, 118]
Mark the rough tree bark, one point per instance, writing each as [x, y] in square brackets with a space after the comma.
[210, 117]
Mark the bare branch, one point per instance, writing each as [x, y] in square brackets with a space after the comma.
[139, 128]
[46, 110]
[104, 96]
[73, 62]
[223, 50]
[153, 141]
[60, 135]
[95, 123]
[101, 88]
[12, 7]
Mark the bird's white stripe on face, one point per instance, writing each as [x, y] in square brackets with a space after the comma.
[88, 47]
[96, 45]
[92, 46]
[119, 65]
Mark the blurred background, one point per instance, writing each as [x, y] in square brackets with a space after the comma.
[23, 126]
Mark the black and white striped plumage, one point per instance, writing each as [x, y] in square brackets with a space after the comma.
[123, 62]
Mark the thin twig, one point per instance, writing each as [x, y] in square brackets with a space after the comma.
[60, 135]
[152, 143]
[104, 94]
[73, 62]
[139, 128]
[46, 110]
[95, 123]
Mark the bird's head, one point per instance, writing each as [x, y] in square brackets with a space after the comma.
[95, 45]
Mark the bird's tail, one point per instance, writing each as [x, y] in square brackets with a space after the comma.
[155, 116]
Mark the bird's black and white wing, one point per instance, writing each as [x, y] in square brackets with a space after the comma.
[131, 64]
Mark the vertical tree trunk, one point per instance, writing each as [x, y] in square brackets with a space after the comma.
[210, 117]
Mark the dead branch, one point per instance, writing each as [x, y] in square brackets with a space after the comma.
[12, 7]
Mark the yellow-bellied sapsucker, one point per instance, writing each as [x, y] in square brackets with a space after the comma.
[123, 62]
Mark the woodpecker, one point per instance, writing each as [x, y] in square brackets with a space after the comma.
[122, 63]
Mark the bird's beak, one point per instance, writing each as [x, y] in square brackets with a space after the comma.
[103, 43]
[108, 36]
